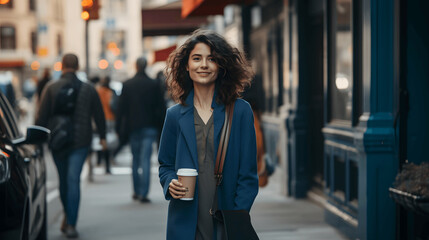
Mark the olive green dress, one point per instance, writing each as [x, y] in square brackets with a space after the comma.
[206, 181]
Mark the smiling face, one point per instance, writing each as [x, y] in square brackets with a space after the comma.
[202, 66]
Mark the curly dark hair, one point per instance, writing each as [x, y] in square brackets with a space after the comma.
[234, 75]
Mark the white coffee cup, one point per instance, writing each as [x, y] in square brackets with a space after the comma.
[188, 177]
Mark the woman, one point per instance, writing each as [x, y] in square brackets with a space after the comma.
[107, 96]
[204, 75]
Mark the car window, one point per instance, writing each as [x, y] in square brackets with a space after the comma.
[8, 119]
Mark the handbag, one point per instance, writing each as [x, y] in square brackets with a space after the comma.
[232, 224]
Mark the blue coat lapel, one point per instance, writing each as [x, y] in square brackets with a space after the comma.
[218, 118]
[187, 124]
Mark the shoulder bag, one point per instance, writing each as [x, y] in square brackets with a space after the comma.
[232, 224]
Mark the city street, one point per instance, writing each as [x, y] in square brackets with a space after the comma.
[108, 212]
[338, 89]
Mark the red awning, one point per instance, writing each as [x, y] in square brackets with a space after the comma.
[11, 64]
[162, 54]
[166, 21]
[207, 7]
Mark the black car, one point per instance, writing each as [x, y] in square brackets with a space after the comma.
[22, 179]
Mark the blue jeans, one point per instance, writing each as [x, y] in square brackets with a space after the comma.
[69, 166]
[141, 147]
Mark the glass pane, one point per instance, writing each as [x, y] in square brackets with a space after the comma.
[339, 177]
[341, 86]
[7, 35]
[354, 187]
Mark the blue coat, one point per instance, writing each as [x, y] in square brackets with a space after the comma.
[178, 149]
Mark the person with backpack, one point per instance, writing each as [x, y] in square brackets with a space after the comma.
[67, 107]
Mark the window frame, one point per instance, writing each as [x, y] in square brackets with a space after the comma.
[356, 73]
[2, 38]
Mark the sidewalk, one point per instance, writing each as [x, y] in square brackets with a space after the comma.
[108, 212]
[276, 217]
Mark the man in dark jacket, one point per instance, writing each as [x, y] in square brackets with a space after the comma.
[141, 109]
[69, 159]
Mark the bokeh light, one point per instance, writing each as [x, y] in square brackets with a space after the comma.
[342, 83]
[103, 64]
[35, 65]
[84, 15]
[115, 51]
[118, 64]
[57, 66]
[111, 45]
[86, 3]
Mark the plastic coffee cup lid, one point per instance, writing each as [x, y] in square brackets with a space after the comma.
[186, 199]
[187, 172]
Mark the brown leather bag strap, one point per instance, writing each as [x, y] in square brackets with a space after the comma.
[221, 152]
[223, 142]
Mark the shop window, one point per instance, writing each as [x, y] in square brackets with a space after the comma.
[7, 37]
[6, 4]
[113, 42]
[341, 81]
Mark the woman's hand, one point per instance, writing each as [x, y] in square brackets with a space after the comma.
[176, 189]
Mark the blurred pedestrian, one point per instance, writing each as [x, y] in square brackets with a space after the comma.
[69, 159]
[29, 87]
[46, 77]
[141, 109]
[41, 84]
[205, 75]
[7, 88]
[95, 146]
[161, 78]
[94, 80]
[251, 95]
[107, 97]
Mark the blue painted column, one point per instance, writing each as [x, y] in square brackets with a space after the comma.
[379, 164]
[297, 121]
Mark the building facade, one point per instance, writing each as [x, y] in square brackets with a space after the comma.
[347, 82]
[114, 38]
[18, 36]
[342, 85]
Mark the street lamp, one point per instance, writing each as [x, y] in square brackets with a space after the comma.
[90, 9]
[89, 12]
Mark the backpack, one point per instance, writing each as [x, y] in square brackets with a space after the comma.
[61, 124]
